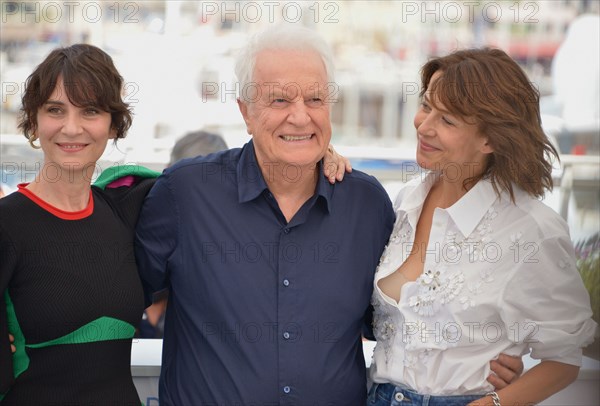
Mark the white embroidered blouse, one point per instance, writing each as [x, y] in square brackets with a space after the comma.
[498, 278]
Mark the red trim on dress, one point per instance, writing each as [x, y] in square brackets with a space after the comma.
[62, 214]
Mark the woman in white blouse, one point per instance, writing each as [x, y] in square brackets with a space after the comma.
[477, 265]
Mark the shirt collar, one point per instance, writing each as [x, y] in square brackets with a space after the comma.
[324, 189]
[414, 200]
[470, 209]
[465, 213]
[251, 182]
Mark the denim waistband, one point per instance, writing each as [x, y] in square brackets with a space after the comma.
[389, 394]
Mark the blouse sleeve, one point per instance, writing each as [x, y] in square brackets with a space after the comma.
[545, 303]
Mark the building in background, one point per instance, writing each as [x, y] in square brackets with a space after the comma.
[177, 60]
[177, 56]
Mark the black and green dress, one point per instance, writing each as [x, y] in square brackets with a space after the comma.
[72, 298]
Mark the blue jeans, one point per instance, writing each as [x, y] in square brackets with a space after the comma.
[386, 394]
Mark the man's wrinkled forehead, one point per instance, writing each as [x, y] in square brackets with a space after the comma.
[272, 56]
[270, 81]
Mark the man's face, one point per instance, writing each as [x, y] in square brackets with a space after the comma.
[287, 113]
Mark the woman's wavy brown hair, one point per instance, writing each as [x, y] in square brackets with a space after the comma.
[488, 87]
[90, 79]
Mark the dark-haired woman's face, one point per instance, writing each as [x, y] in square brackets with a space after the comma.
[447, 142]
[72, 138]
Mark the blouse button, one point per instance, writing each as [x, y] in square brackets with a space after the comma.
[399, 397]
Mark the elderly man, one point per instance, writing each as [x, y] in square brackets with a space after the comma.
[270, 267]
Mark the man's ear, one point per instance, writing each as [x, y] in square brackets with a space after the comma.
[243, 106]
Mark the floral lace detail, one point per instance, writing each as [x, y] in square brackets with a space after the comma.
[473, 289]
[475, 246]
[422, 332]
[412, 335]
[436, 288]
[411, 359]
[399, 236]
[384, 327]
[443, 284]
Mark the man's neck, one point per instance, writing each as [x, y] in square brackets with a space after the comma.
[292, 187]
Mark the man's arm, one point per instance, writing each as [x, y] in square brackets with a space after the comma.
[506, 369]
[156, 237]
[367, 330]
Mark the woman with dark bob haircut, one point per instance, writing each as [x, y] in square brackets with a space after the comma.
[89, 77]
[476, 265]
[72, 297]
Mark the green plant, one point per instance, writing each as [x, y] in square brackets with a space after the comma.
[588, 264]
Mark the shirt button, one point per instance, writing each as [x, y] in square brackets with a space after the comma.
[286, 389]
[399, 397]
[286, 283]
[286, 230]
[286, 335]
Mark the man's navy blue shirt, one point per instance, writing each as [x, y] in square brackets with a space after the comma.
[261, 311]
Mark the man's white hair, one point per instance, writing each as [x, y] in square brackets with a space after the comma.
[281, 37]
